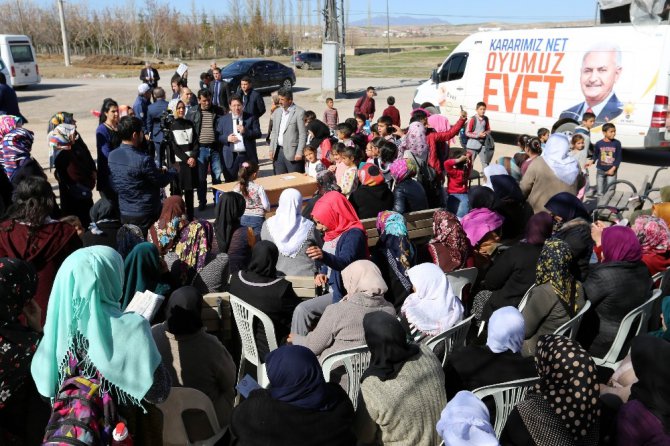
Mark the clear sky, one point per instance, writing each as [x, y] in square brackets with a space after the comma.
[457, 12]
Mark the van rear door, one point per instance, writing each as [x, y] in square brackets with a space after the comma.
[451, 84]
[23, 67]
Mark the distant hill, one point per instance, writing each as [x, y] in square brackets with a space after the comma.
[380, 20]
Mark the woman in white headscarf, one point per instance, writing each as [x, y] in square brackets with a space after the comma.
[465, 421]
[493, 170]
[553, 172]
[498, 361]
[293, 234]
[432, 308]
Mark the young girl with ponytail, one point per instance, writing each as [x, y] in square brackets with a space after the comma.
[255, 196]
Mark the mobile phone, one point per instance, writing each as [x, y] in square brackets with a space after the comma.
[462, 108]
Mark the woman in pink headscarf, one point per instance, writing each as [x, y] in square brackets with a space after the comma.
[654, 237]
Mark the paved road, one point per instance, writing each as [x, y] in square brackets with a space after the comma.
[79, 96]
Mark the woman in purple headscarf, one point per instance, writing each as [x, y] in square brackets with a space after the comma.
[513, 271]
[620, 283]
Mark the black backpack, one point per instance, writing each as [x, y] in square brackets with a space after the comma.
[431, 183]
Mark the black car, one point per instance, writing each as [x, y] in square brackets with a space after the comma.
[266, 75]
[308, 60]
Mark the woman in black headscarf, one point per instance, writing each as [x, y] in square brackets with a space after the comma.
[192, 357]
[22, 413]
[400, 375]
[564, 406]
[645, 418]
[481, 197]
[105, 224]
[319, 132]
[298, 408]
[512, 205]
[231, 236]
[260, 287]
[572, 225]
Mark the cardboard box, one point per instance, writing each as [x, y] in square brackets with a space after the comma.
[275, 185]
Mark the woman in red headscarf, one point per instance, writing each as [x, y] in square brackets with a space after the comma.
[344, 242]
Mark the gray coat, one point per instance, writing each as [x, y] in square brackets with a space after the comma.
[295, 135]
[544, 314]
[301, 264]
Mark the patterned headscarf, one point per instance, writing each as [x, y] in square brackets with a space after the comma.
[653, 234]
[61, 137]
[402, 169]
[553, 266]
[395, 246]
[9, 123]
[18, 283]
[194, 244]
[127, 237]
[370, 175]
[172, 220]
[16, 147]
[60, 118]
[326, 182]
[448, 231]
[415, 141]
[564, 407]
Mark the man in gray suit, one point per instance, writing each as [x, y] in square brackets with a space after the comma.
[289, 135]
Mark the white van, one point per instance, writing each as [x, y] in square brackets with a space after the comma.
[534, 78]
[18, 55]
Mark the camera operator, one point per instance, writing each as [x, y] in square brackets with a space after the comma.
[155, 113]
[135, 177]
[184, 145]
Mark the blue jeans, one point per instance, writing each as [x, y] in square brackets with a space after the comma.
[603, 181]
[253, 222]
[458, 204]
[207, 156]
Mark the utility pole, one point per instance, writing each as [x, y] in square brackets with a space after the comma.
[388, 30]
[66, 46]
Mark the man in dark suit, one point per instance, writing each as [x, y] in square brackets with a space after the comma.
[237, 132]
[149, 75]
[252, 101]
[154, 114]
[601, 68]
[220, 91]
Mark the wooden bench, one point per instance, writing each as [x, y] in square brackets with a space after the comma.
[419, 226]
[303, 286]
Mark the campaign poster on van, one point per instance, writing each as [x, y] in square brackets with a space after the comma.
[605, 72]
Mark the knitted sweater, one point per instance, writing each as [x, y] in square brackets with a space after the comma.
[341, 326]
[403, 411]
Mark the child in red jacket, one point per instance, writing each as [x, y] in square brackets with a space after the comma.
[458, 169]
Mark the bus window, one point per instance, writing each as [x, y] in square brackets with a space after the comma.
[21, 53]
[454, 67]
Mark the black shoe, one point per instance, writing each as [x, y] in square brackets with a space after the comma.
[202, 206]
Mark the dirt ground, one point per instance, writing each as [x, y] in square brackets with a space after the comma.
[80, 96]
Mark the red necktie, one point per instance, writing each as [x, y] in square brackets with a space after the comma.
[589, 110]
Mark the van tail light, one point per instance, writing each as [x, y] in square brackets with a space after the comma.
[37, 69]
[13, 71]
[660, 112]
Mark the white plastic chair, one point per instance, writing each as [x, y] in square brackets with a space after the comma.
[643, 312]
[452, 338]
[180, 400]
[356, 361]
[506, 396]
[460, 278]
[571, 327]
[521, 306]
[244, 318]
[524, 300]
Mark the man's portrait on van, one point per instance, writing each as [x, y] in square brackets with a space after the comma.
[600, 70]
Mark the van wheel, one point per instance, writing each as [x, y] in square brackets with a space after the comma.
[308, 66]
[565, 125]
[287, 83]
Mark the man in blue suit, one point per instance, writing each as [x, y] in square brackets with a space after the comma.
[237, 132]
[252, 101]
[154, 117]
[601, 68]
